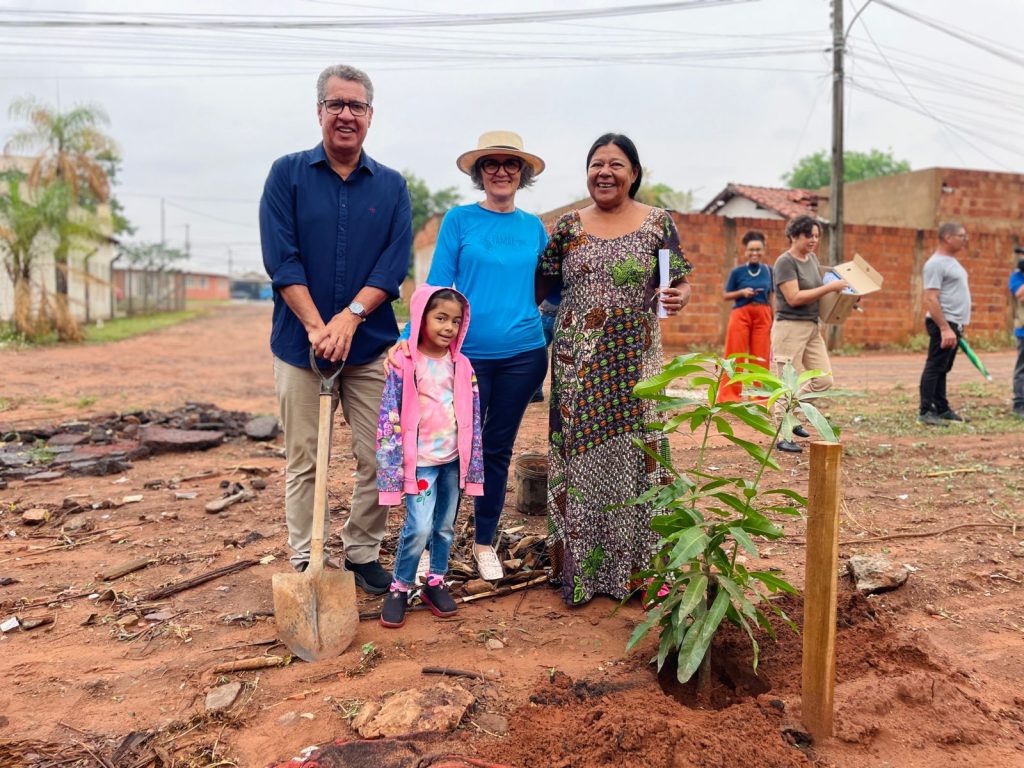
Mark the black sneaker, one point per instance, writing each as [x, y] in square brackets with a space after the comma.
[370, 577]
[438, 600]
[799, 431]
[788, 446]
[1019, 412]
[932, 419]
[301, 567]
[392, 613]
[952, 415]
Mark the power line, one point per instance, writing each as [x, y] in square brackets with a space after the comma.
[991, 47]
[93, 20]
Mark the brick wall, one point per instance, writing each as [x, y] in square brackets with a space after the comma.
[890, 316]
[982, 200]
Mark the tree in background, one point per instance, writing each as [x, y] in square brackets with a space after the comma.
[31, 219]
[426, 203]
[71, 148]
[815, 171]
[663, 196]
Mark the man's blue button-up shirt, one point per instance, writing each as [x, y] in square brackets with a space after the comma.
[334, 236]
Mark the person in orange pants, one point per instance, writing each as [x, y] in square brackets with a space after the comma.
[751, 286]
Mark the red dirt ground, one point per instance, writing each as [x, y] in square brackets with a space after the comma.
[928, 675]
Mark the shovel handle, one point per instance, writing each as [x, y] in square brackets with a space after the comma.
[323, 455]
[326, 382]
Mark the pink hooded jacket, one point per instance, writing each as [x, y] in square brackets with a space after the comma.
[399, 417]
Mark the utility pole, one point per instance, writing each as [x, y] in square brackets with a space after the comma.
[163, 219]
[230, 262]
[835, 206]
[188, 243]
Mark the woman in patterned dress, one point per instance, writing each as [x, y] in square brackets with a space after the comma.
[606, 340]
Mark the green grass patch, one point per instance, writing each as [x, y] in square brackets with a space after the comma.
[127, 327]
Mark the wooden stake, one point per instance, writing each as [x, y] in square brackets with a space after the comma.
[821, 585]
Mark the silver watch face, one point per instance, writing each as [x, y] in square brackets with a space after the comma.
[357, 309]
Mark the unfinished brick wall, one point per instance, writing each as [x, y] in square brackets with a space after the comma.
[890, 317]
[985, 201]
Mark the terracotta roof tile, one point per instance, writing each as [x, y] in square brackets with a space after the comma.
[787, 202]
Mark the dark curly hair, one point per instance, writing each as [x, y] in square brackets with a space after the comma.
[802, 225]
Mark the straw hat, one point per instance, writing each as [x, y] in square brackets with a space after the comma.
[499, 143]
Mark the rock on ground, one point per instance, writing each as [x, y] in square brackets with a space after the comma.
[437, 709]
[262, 428]
[876, 573]
[223, 696]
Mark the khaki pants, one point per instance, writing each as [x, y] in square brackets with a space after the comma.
[360, 388]
[799, 342]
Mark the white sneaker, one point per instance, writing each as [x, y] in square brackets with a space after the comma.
[423, 567]
[488, 564]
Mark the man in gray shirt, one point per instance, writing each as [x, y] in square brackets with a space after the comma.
[947, 303]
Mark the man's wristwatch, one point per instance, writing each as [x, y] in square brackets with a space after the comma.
[358, 310]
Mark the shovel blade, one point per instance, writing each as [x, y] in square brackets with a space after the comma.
[316, 613]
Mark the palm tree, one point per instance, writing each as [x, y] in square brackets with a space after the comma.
[25, 219]
[71, 149]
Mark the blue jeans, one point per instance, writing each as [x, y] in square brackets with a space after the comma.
[429, 517]
[506, 386]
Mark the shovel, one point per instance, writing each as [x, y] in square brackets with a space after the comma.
[316, 611]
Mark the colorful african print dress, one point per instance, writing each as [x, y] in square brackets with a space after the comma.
[606, 340]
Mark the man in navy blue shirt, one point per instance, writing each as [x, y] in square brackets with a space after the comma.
[336, 232]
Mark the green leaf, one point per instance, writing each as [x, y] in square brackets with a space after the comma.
[689, 544]
[744, 540]
[755, 420]
[806, 376]
[759, 525]
[664, 646]
[699, 636]
[766, 625]
[695, 594]
[641, 631]
[723, 426]
[819, 422]
[801, 500]
[773, 582]
[755, 451]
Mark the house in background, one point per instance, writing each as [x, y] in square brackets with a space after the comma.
[745, 201]
[251, 285]
[89, 270]
[207, 286]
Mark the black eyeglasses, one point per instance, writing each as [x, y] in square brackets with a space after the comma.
[511, 165]
[337, 106]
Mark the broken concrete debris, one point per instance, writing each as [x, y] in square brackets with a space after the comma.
[107, 443]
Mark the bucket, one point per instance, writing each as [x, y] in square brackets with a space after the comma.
[531, 484]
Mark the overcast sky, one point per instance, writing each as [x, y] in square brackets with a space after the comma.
[201, 101]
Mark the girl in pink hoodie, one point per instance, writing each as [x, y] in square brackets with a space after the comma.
[428, 445]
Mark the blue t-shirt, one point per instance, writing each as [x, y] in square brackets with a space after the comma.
[741, 278]
[1016, 281]
[491, 259]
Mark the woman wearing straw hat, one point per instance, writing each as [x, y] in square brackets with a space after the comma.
[489, 251]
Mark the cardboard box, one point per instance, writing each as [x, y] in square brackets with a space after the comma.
[834, 308]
